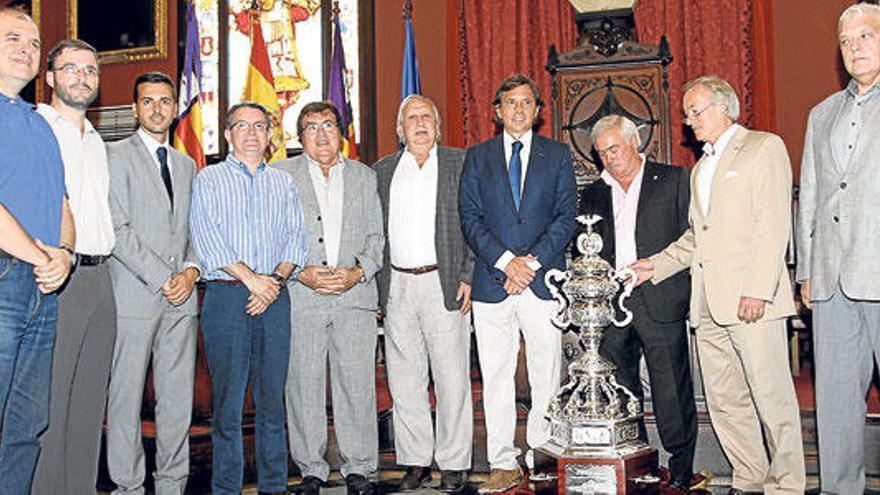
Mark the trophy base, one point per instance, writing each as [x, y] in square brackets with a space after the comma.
[633, 470]
[597, 437]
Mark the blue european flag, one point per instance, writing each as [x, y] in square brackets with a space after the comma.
[409, 77]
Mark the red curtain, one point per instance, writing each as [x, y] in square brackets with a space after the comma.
[498, 38]
[705, 37]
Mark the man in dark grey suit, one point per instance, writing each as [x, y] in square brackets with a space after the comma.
[154, 268]
[837, 242]
[424, 290]
[333, 305]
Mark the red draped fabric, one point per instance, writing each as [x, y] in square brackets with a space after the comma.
[498, 38]
[705, 37]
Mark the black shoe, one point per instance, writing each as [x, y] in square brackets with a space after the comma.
[453, 481]
[357, 484]
[311, 485]
[416, 477]
[737, 491]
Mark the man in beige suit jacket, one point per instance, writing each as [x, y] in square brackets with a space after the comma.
[740, 216]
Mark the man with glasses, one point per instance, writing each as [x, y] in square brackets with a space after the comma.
[248, 232]
[154, 270]
[333, 307]
[36, 249]
[86, 326]
[740, 220]
[644, 206]
[838, 242]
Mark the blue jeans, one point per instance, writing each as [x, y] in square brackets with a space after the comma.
[241, 349]
[27, 335]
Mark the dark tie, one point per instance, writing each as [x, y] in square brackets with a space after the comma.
[514, 171]
[162, 153]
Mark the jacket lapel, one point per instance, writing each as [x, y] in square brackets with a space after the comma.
[144, 160]
[500, 168]
[724, 162]
[349, 197]
[537, 156]
[650, 177]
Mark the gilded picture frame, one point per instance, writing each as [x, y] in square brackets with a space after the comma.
[137, 42]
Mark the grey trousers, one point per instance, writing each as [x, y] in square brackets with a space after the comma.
[846, 336]
[168, 339]
[346, 338]
[84, 338]
[424, 340]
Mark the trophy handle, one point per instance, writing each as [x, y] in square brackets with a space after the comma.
[553, 277]
[630, 274]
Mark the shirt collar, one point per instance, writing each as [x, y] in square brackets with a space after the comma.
[334, 170]
[50, 112]
[239, 165]
[432, 155]
[852, 89]
[710, 149]
[151, 143]
[636, 182]
[525, 139]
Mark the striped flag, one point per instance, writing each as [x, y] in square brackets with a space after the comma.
[188, 133]
[409, 77]
[259, 87]
[337, 91]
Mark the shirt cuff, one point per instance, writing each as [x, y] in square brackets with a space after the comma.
[190, 264]
[534, 265]
[503, 260]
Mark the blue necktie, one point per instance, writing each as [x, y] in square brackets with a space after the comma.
[514, 172]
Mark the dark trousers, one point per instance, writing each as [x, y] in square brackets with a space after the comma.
[672, 390]
[242, 349]
[80, 373]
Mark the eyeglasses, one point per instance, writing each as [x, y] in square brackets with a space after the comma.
[312, 127]
[244, 125]
[611, 150]
[695, 114]
[72, 70]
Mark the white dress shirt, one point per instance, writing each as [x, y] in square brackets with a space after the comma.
[329, 191]
[412, 212]
[625, 205]
[711, 155]
[87, 180]
[526, 140]
[153, 145]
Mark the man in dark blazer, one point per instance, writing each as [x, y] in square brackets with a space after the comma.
[644, 207]
[424, 291]
[517, 202]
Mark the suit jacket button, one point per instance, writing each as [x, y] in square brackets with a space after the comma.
[843, 185]
[836, 219]
[705, 227]
[320, 239]
[519, 221]
[319, 218]
[324, 262]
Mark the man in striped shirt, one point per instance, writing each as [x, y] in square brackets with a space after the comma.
[246, 225]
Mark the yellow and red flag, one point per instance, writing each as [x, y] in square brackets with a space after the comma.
[259, 87]
[188, 133]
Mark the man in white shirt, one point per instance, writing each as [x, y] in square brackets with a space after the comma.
[740, 219]
[333, 303]
[644, 207]
[86, 331]
[424, 290]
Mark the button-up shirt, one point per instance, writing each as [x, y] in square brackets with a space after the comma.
[31, 171]
[526, 140]
[329, 191]
[238, 217]
[626, 206]
[850, 122]
[412, 211]
[87, 180]
[711, 155]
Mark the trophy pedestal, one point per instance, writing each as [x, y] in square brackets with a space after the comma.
[630, 471]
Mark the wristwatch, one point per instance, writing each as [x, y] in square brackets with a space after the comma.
[73, 257]
[278, 278]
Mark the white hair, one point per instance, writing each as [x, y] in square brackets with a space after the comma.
[627, 128]
[402, 109]
[722, 92]
[859, 9]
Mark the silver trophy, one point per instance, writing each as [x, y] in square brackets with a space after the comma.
[592, 414]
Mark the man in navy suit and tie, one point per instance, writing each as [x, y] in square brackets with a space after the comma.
[517, 204]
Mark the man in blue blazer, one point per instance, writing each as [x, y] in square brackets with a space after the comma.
[517, 204]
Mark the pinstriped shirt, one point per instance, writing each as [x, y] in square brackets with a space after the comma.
[238, 217]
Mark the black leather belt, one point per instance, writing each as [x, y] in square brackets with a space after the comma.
[419, 270]
[91, 260]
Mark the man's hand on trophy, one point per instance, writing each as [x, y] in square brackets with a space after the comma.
[519, 275]
[644, 269]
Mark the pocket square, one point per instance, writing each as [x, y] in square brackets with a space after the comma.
[730, 174]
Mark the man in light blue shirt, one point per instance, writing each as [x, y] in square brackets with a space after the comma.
[247, 229]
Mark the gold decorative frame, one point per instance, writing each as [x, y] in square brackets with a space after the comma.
[128, 55]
